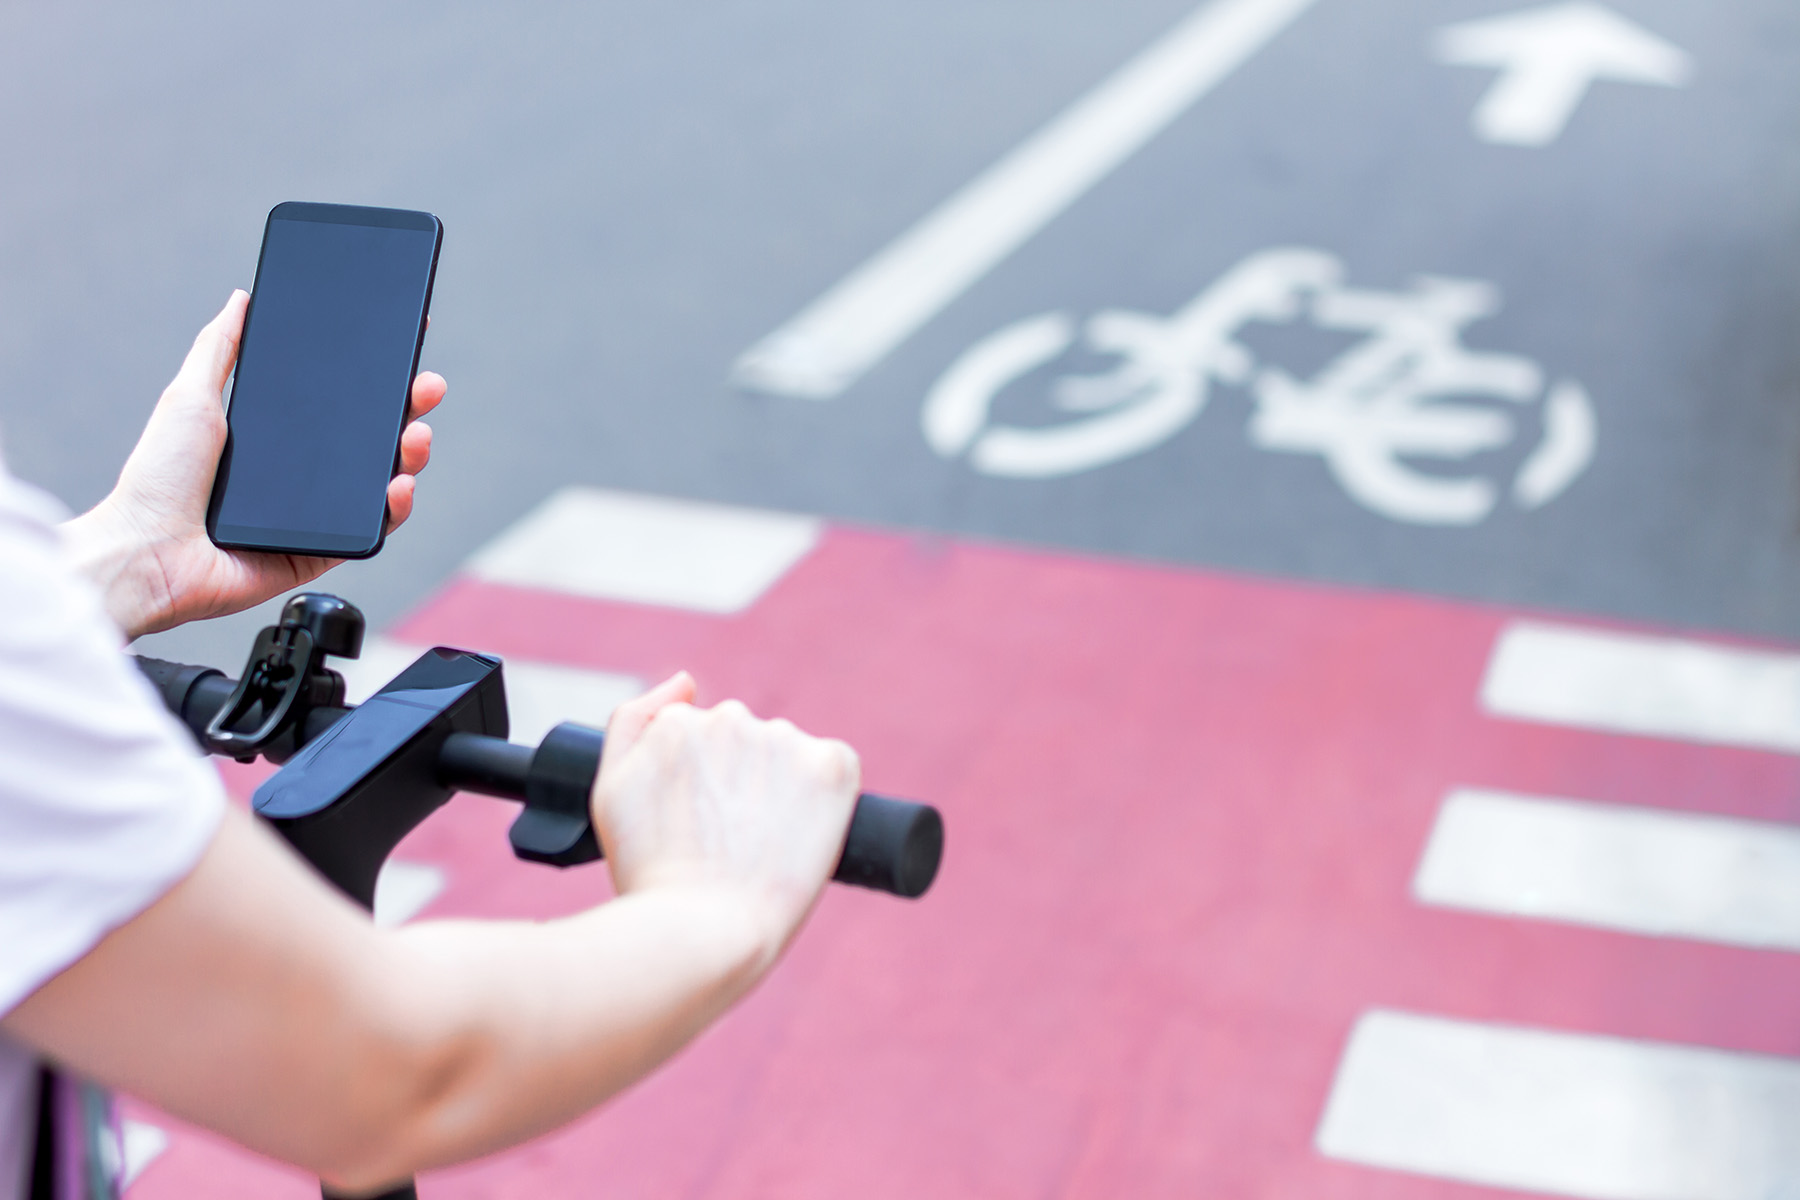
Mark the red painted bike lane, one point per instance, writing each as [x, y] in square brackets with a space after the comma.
[1184, 811]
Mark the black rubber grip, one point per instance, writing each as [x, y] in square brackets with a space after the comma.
[893, 846]
[193, 694]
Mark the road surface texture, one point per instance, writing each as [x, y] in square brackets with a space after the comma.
[1310, 488]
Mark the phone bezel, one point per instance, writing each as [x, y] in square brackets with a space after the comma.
[314, 542]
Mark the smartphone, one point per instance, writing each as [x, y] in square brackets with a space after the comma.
[324, 377]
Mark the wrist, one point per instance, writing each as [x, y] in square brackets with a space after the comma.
[760, 920]
[116, 557]
[737, 935]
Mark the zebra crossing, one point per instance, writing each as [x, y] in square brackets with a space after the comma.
[1586, 1114]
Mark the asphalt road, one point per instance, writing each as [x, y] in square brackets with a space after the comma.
[634, 195]
[1491, 300]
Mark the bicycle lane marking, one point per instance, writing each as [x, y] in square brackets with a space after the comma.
[832, 342]
[1397, 397]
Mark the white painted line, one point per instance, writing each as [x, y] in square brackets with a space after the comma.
[1659, 687]
[381, 659]
[142, 1144]
[1633, 869]
[855, 324]
[648, 550]
[403, 889]
[539, 696]
[1568, 1114]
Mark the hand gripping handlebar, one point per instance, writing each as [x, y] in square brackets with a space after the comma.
[354, 781]
[354, 776]
[892, 845]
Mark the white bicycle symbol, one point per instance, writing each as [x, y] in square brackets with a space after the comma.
[1380, 404]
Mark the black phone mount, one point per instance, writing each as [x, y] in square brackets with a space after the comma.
[285, 678]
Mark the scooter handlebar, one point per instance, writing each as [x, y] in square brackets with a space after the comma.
[892, 846]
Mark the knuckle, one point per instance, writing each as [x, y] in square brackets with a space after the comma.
[833, 763]
[847, 762]
[734, 711]
[670, 717]
[632, 707]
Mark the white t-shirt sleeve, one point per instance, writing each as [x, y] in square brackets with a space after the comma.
[105, 803]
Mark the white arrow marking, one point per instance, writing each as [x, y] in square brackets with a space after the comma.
[1548, 57]
[849, 329]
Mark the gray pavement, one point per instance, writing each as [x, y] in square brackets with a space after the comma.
[634, 195]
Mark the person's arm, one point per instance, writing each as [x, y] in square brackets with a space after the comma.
[256, 1001]
[145, 545]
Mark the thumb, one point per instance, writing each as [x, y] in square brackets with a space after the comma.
[187, 426]
[631, 718]
[208, 365]
[180, 443]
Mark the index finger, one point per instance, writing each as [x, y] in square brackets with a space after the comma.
[631, 718]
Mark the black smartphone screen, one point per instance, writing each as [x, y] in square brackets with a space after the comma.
[324, 375]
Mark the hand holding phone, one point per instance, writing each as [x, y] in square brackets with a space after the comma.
[330, 347]
[146, 546]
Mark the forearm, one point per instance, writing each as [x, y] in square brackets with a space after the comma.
[528, 1026]
[257, 1001]
[253, 1000]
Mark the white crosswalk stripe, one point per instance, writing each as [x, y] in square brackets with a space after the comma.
[1632, 869]
[141, 1144]
[1660, 687]
[403, 889]
[1580, 1114]
[648, 550]
[1574, 1115]
[539, 696]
